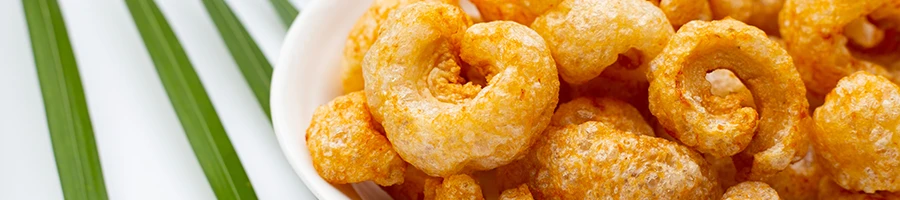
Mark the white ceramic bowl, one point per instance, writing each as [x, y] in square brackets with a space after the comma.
[307, 75]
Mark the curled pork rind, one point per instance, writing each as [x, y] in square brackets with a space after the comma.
[584, 42]
[519, 193]
[618, 114]
[832, 191]
[858, 133]
[522, 11]
[750, 190]
[680, 97]
[347, 145]
[814, 31]
[435, 119]
[680, 12]
[454, 187]
[594, 160]
[363, 35]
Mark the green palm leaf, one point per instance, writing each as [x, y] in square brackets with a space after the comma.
[286, 11]
[204, 130]
[67, 114]
[256, 69]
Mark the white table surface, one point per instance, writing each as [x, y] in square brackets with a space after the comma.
[143, 150]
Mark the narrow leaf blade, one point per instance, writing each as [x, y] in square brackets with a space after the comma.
[251, 61]
[199, 119]
[286, 11]
[70, 127]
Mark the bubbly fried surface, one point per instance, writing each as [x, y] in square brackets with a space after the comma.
[750, 190]
[680, 12]
[519, 193]
[814, 31]
[829, 190]
[766, 139]
[413, 186]
[618, 114]
[584, 42]
[858, 133]
[441, 122]
[799, 181]
[454, 187]
[363, 35]
[347, 145]
[521, 11]
[593, 160]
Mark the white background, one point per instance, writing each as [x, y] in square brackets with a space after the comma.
[143, 150]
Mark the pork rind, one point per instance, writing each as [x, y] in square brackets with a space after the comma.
[798, 181]
[818, 33]
[858, 133]
[444, 123]
[750, 190]
[763, 140]
[348, 146]
[615, 112]
[594, 160]
[832, 191]
[587, 36]
[521, 11]
[363, 35]
[455, 187]
[519, 193]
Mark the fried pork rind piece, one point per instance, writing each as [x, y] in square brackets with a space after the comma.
[363, 35]
[618, 114]
[347, 145]
[725, 169]
[750, 190]
[760, 13]
[435, 119]
[521, 11]
[799, 181]
[817, 33]
[832, 191]
[413, 186]
[519, 193]
[764, 140]
[585, 42]
[680, 12]
[454, 187]
[594, 160]
[858, 133]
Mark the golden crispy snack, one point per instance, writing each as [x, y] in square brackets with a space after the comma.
[413, 186]
[519, 193]
[522, 11]
[621, 81]
[750, 190]
[363, 35]
[814, 31]
[680, 12]
[799, 181]
[594, 160]
[618, 114]
[858, 133]
[585, 42]
[760, 13]
[725, 169]
[347, 145]
[680, 96]
[832, 191]
[441, 122]
[454, 187]
[725, 84]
